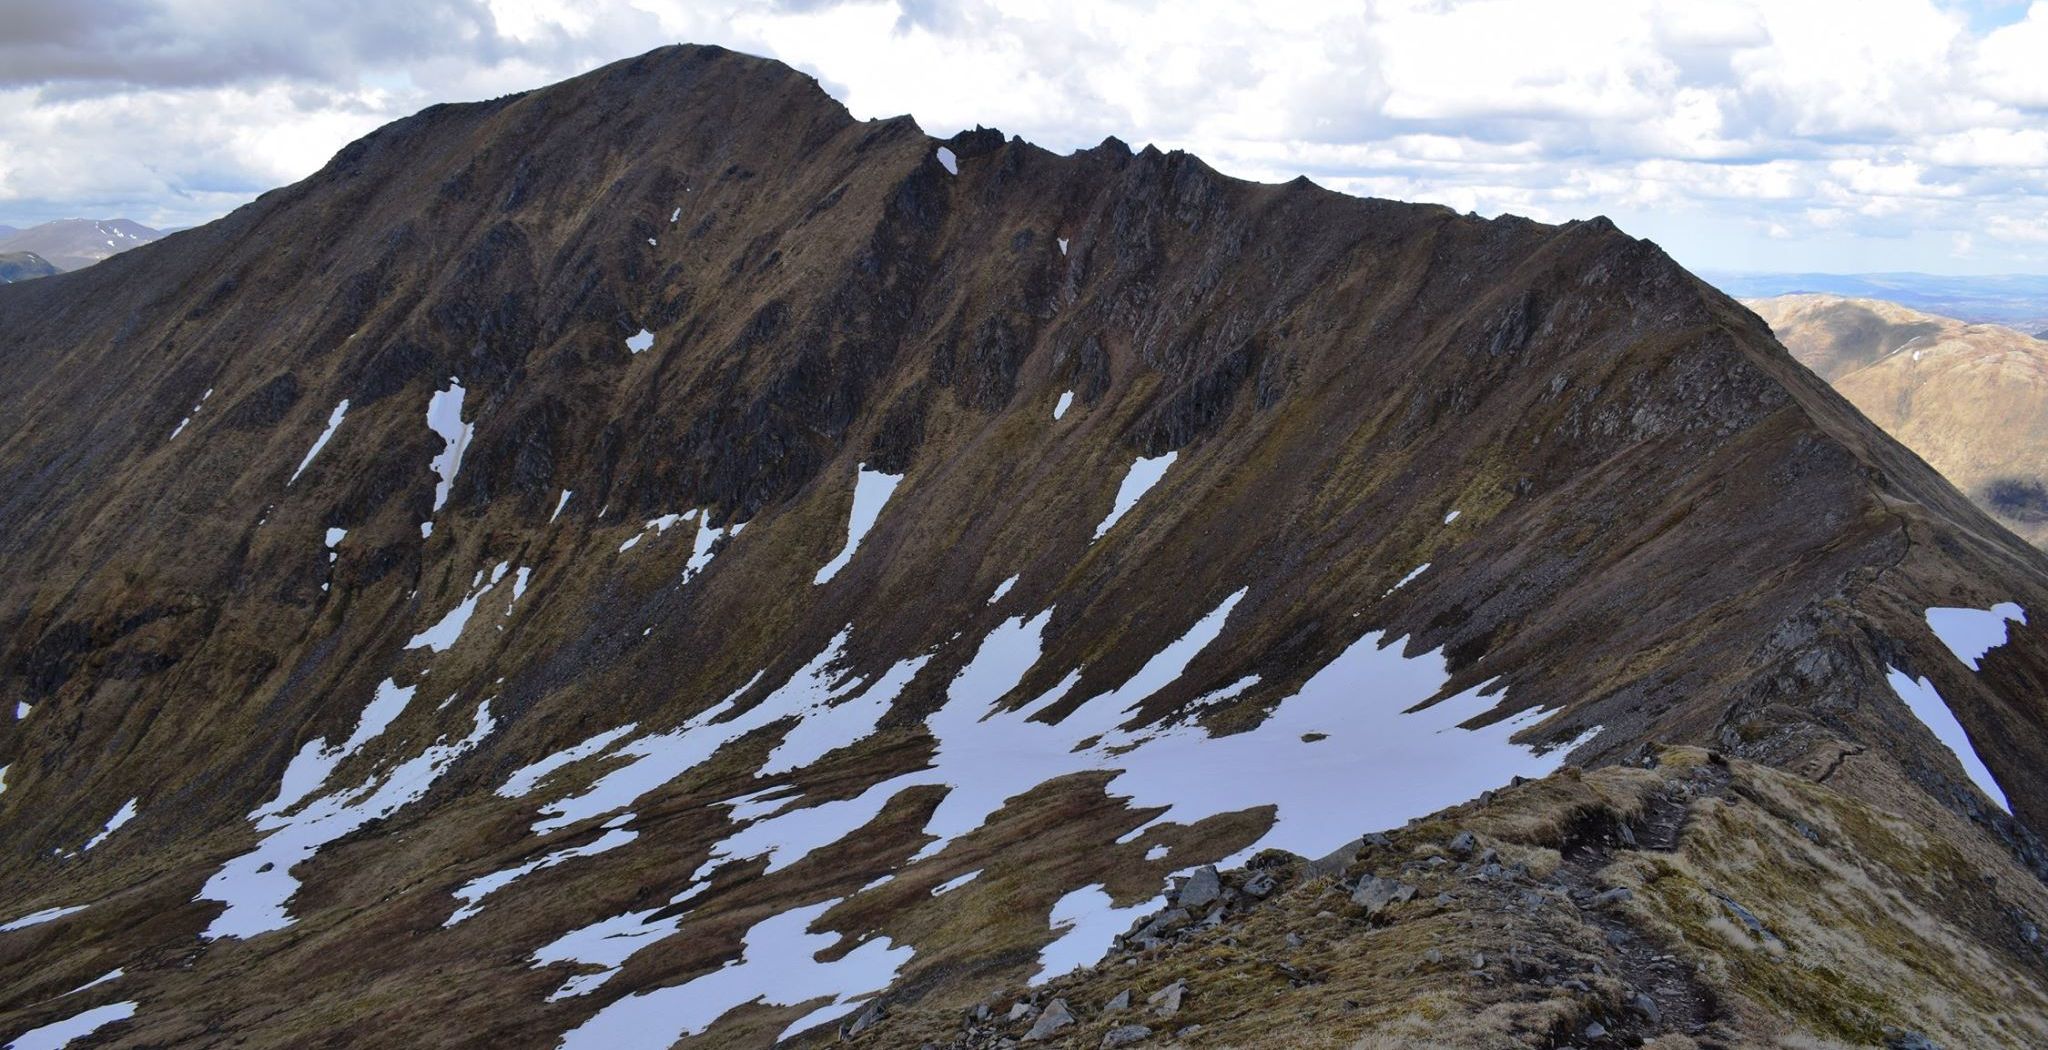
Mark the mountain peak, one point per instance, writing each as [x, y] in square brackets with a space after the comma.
[656, 555]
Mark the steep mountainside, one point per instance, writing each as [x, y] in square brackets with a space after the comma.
[1971, 398]
[71, 244]
[657, 557]
[23, 266]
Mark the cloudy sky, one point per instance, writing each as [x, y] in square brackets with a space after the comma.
[1836, 135]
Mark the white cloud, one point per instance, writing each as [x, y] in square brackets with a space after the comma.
[2012, 62]
[1851, 130]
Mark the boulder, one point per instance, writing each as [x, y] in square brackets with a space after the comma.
[868, 1018]
[1055, 1017]
[1336, 860]
[1202, 889]
[1125, 1035]
[1611, 896]
[1375, 893]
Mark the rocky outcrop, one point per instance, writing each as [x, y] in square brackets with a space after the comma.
[1513, 943]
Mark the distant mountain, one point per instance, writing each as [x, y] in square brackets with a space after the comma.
[2017, 300]
[23, 266]
[8, 231]
[1972, 399]
[73, 244]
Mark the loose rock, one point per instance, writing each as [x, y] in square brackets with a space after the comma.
[1055, 1017]
[1125, 1035]
[1166, 1001]
[1375, 893]
[866, 1019]
[1202, 888]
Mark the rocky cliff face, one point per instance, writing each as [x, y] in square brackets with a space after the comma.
[656, 557]
[1970, 398]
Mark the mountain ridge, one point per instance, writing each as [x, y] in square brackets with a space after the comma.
[71, 244]
[1557, 423]
[1970, 398]
[2018, 300]
[23, 266]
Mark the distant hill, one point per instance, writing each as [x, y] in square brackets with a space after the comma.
[2015, 300]
[23, 266]
[8, 231]
[1971, 399]
[72, 244]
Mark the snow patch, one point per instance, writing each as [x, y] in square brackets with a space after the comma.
[37, 918]
[333, 421]
[1394, 762]
[122, 816]
[1408, 579]
[950, 885]
[59, 1034]
[559, 504]
[779, 966]
[1452, 516]
[1066, 399]
[1002, 589]
[97, 981]
[333, 541]
[1224, 695]
[444, 417]
[443, 634]
[871, 492]
[188, 416]
[1139, 480]
[641, 340]
[473, 892]
[949, 161]
[1091, 921]
[832, 711]
[529, 776]
[1933, 712]
[700, 551]
[1970, 633]
[607, 943]
[258, 886]
[1377, 746]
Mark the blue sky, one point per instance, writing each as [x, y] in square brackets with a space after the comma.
[1830, 135]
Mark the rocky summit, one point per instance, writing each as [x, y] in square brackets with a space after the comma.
[657, 560]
